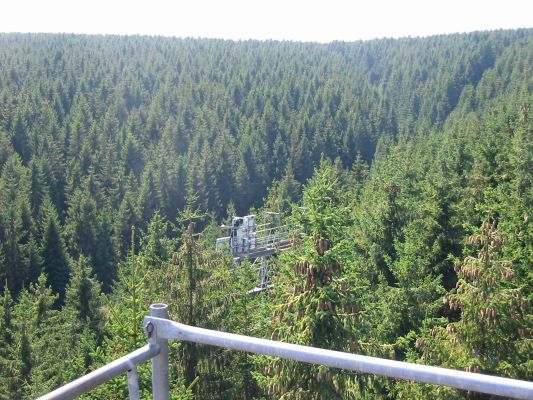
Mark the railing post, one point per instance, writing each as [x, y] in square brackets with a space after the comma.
[160, 387]
[133, 383]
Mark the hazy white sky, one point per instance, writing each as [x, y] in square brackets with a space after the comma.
[310, 20]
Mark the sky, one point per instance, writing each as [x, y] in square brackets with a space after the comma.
[295, 20]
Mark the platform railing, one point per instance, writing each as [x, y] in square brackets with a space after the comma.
[160, 329]
[156, 350]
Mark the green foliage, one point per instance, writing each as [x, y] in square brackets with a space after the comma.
[84, 300]
[416, 142]
[16, 224]
[43, 356]
[10, 381]
[283, 194]
[493, 332]
[104, 259]
[315, 303]
[81, 224]
[201, 291]
[55, 263]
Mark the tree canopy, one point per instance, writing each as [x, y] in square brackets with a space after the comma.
[407, 165]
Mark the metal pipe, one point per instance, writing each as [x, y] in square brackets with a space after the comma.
[160, 385]
[133, 383]
[394, 369]
[101, 375]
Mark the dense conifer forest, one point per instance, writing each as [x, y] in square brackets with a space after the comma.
[407, 163]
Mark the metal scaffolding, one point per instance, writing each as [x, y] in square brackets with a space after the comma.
[248, 240]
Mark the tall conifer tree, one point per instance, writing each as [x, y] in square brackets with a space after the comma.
[55, 263]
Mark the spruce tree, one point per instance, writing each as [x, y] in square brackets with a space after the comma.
[128, 215]
[55, 262]
[489, 329]
[197, 285]
[104, 258]
[16, 224]
[84, 299]
[81, 224]
[47, 345]
[10, 381]
[315, 302]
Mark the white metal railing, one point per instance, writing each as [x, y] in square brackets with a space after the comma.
[160, 330]
[156, 349]
[272, 237]
[263, 239]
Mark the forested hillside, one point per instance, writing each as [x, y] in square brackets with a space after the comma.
[412, 159]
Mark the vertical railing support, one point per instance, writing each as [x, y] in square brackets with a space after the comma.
[160, 387]
[133, 382]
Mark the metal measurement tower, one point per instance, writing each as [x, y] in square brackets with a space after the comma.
[248, 240]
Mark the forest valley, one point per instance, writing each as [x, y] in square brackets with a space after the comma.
[407, 163]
